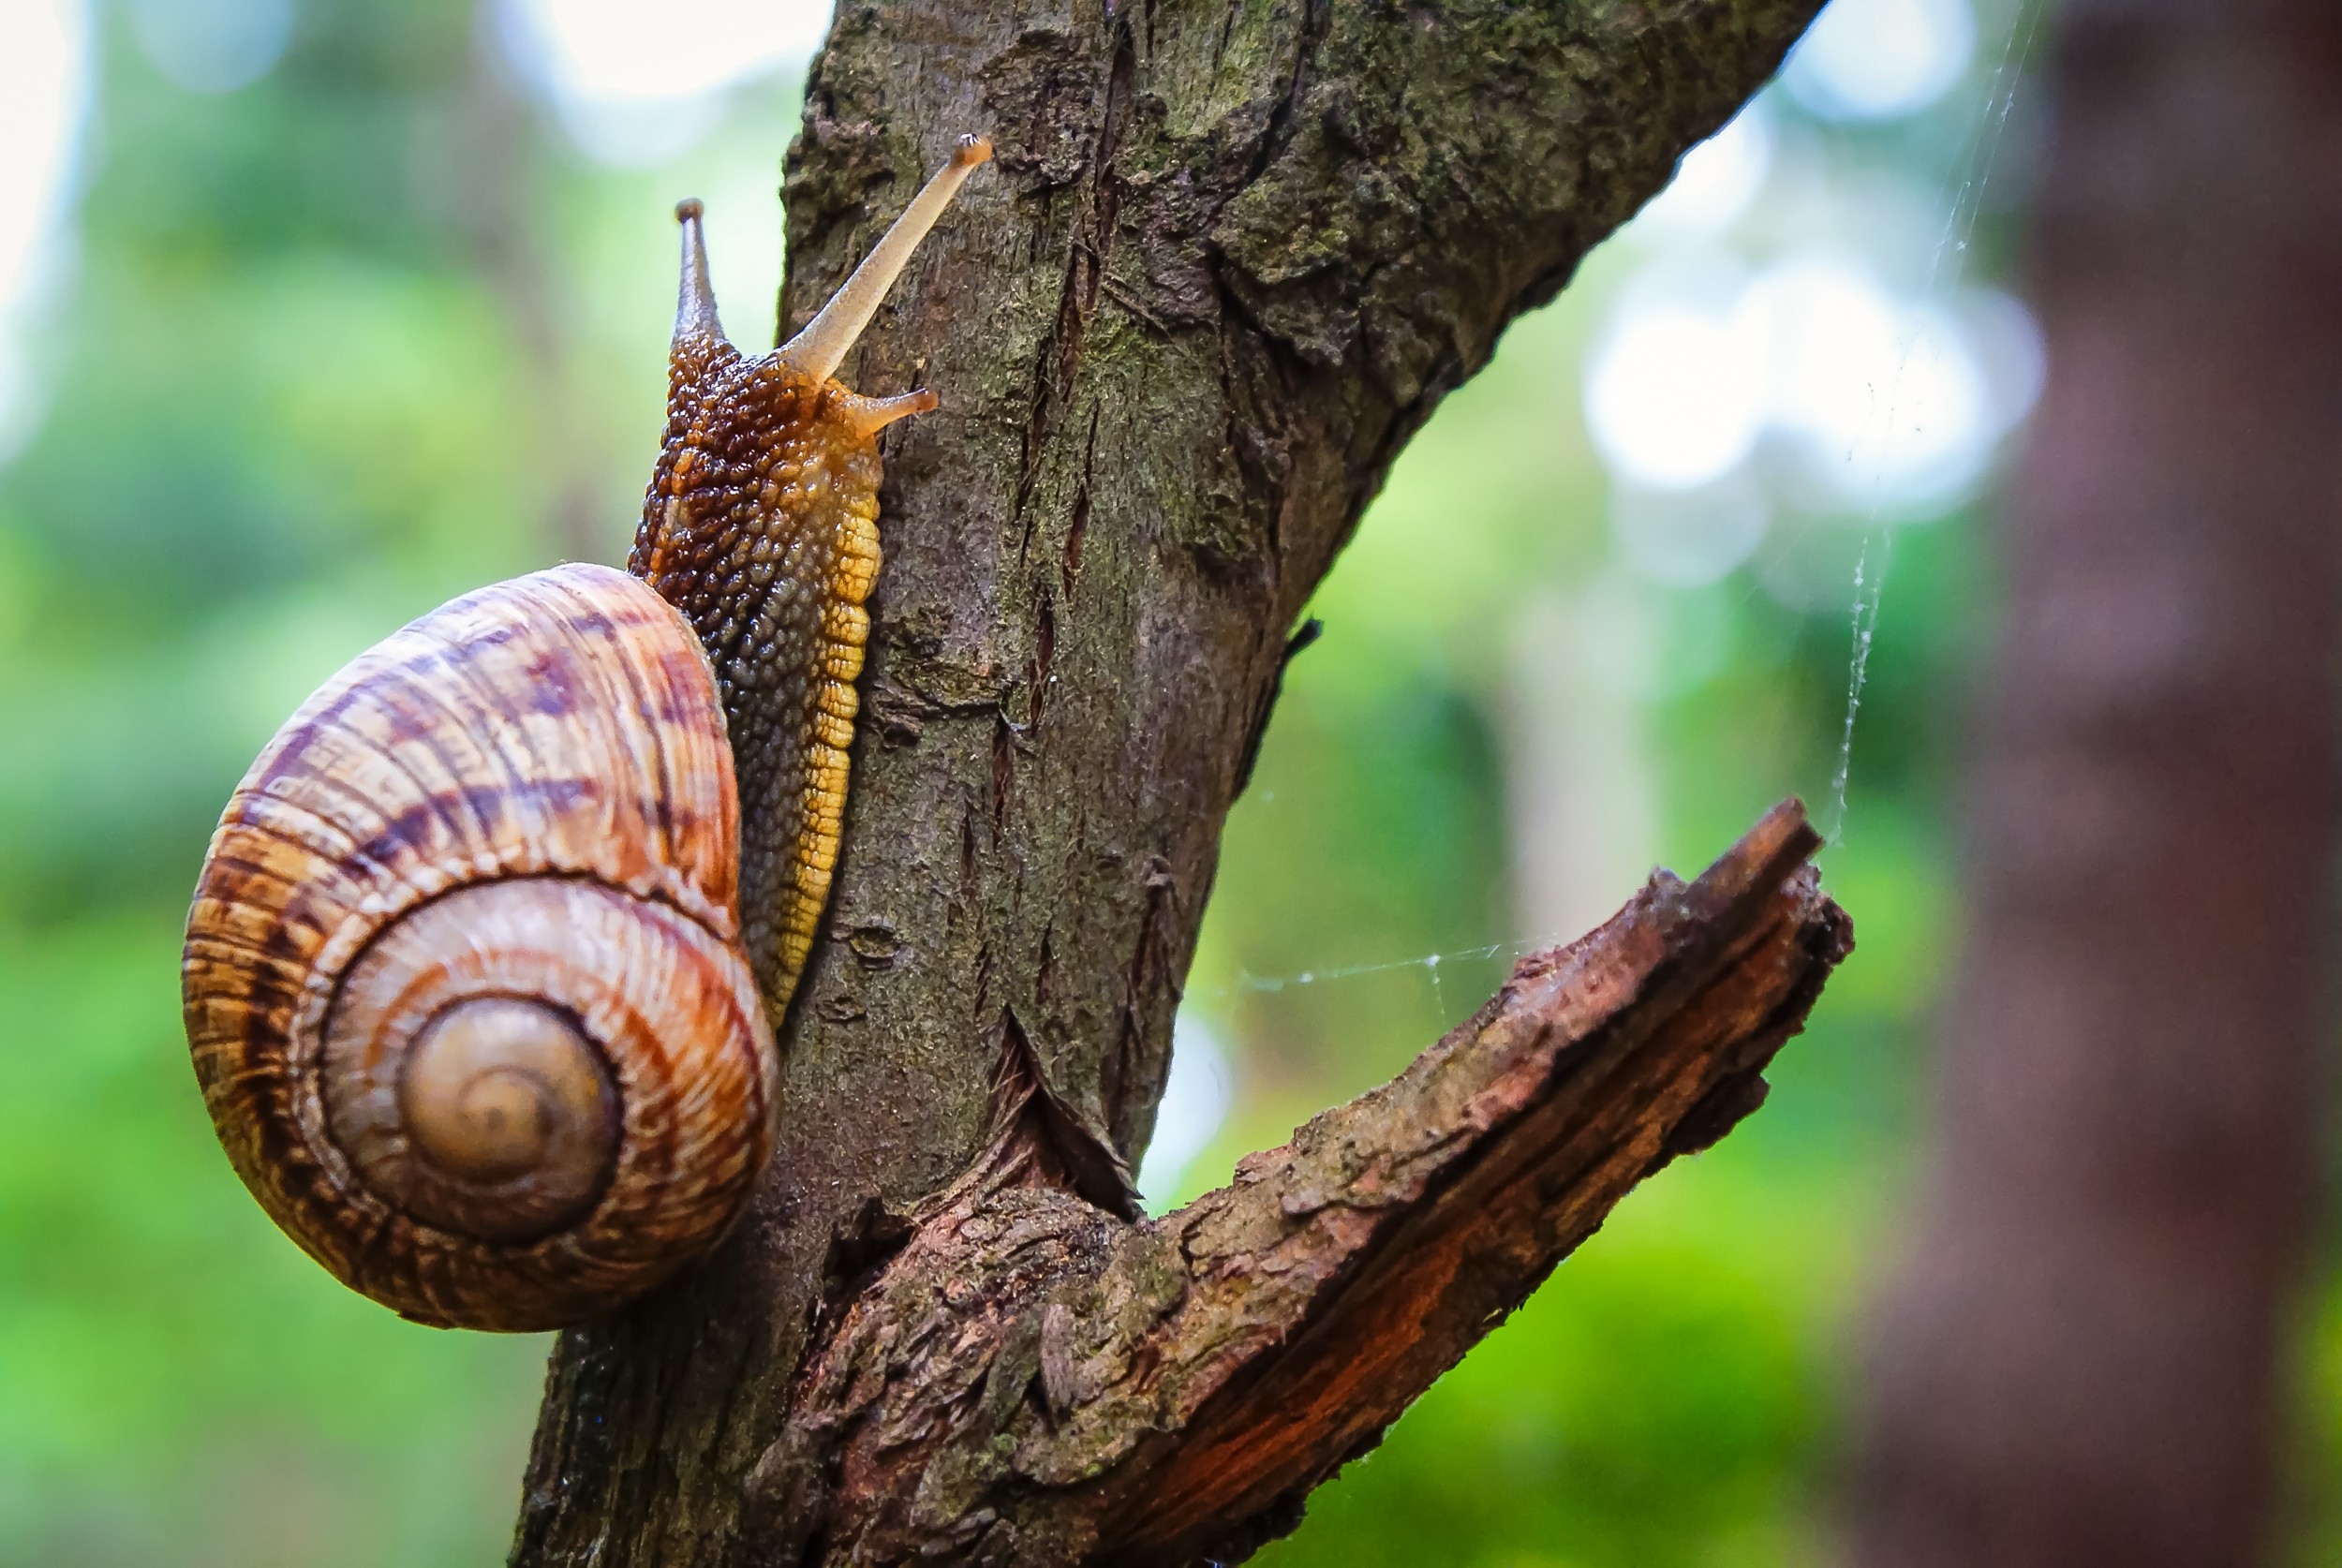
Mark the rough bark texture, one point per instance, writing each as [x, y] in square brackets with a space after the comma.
[2080, 1363]
[1032, 1381]
[1232, 255]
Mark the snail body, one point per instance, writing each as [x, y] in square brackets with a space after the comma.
[486, 960]
[761, 525]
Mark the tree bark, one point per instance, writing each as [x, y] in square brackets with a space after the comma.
[1232, 258]
[2079, 1361]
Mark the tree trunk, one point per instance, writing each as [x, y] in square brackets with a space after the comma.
[1232, 256]
[2079, 1361]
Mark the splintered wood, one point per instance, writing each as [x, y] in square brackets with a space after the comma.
[1033, 1380]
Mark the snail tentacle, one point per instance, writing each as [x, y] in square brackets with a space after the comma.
[695, 297]
[829, 338]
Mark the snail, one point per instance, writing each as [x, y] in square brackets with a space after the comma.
[489, 951]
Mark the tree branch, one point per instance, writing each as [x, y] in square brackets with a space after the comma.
[1232, 254]
[1030, 1381]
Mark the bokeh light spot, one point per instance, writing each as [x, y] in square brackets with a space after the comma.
[212, 46]
[1674, 398]
[1195, 1103]
[635, 83]
[1880, 59]
[44, 94]
[1714, 181]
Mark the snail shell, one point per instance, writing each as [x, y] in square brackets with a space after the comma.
[464, 979]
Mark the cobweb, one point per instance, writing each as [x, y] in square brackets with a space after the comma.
[1725, 519]
[1952, 250]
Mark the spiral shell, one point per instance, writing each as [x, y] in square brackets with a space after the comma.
[463, 978]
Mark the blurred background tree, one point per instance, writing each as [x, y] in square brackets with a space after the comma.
[313, 316]
[2081, 1357]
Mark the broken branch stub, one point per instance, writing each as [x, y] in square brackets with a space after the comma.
[1033, 1380]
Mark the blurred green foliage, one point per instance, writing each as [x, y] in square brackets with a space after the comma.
[263, 449]
[364, 335]
[1667, 1399]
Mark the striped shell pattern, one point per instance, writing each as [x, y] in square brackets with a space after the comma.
[464, 979]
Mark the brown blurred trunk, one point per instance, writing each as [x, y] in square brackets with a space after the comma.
[2081, 1359]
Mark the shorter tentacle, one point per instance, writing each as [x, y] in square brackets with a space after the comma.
[695, 299]
[868, 416]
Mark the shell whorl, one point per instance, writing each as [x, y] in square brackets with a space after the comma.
[464, 981]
